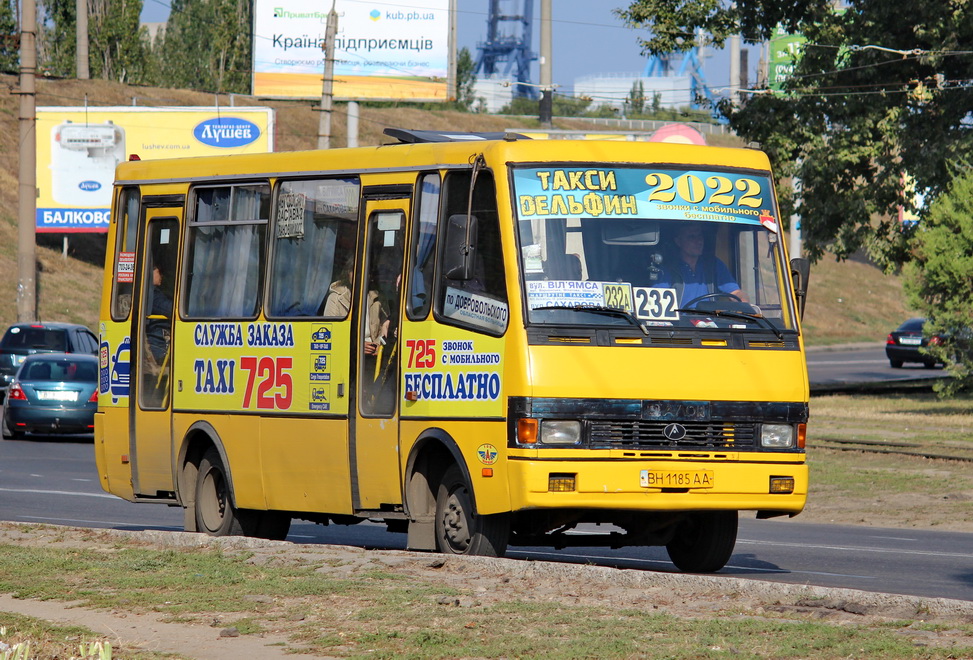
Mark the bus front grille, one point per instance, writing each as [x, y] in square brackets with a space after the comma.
[640, 434]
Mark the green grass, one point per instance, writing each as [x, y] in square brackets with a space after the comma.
[389, 613]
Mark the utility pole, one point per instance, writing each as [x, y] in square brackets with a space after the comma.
[27, 203]
[327, 87]
[546, 108]
[734, 45]
[81, 10]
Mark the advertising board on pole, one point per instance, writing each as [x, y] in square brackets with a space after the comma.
[78, 149]
[382, 51]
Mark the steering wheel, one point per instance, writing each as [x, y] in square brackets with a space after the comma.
[713, 296]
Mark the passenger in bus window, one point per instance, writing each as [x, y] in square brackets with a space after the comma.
[160, 313]
[695, 273]
[337, 302]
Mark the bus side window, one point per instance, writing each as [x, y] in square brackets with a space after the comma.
[423, 247]
[123, 279]
[226, 250]
[313, 248]
[479, 302]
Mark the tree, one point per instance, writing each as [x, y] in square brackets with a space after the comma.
[56, 38]
[207, 46]
[940, 277]
[118, 46]
[878, 96]
[9, 37]
[636, 98]
[465, 80]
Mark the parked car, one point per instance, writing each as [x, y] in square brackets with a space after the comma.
[904, 344]
[23, 339]
[52, 393]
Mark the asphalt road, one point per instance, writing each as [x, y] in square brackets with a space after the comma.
[860, 367]
[54, 481]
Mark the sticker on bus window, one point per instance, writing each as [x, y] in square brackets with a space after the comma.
[290, 215]
[475, 309]
[656, 304]
[533, 259]
[564, 293]
[125, 270]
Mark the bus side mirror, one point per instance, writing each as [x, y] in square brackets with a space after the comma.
[460, 249]
[800, 273]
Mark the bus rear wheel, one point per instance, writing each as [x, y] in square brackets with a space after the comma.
[215, 513]
[704, 542]
[459, 530]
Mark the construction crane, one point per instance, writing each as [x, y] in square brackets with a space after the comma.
[503, 53]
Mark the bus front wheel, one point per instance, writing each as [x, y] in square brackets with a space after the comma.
[704, 542]
[459, 530]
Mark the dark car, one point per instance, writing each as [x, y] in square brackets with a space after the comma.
[23, 339]
[52, 393]
[904, 344]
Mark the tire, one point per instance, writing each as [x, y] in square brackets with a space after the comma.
[895, 364]
[215, 513]
[704, 542]
[459, 530]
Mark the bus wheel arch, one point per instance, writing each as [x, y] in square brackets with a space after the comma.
[442, 505]
[430, 457]
[206, 492]
[200, 437]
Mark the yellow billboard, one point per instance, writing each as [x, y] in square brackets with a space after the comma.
[78, 149]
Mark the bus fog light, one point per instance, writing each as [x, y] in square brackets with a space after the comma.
[560, 432]
[777, 436]
[560, 483]
[783, 485]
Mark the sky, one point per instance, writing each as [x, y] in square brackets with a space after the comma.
[587, 38]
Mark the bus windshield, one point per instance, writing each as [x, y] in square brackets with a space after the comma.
[651, 247]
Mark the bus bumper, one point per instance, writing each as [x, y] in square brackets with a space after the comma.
[659, 485]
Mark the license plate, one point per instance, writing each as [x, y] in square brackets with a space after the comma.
[57, 396]
[676, 479]
[910, 341]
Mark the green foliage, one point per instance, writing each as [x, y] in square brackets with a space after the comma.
[563, 106]
[854, 121]
[9, 37]
[465, 80]
[207, 46]
[56, 38]
[940, 278]
[635, 104]
[117, 45]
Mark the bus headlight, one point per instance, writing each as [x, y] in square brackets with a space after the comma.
[560, 432]
[777, 436]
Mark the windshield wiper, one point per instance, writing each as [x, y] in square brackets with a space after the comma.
[759, 320]
[609, 311]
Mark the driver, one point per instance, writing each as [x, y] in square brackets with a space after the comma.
[695, 274]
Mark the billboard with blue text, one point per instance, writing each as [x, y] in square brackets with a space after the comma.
[78, 149]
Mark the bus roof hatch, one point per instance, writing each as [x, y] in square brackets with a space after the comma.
[407, 136]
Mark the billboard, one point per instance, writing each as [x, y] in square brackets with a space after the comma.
[382, 51]
[78, 149]
[785, 49]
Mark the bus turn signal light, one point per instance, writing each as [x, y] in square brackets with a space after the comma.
[782, 485]
[527, 431]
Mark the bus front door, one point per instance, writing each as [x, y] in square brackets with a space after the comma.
[375, 435]
[151, 439]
